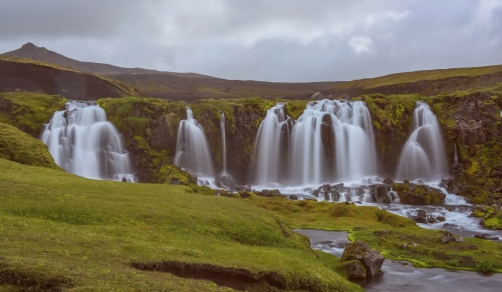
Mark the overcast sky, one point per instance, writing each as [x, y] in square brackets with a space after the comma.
[272, 40]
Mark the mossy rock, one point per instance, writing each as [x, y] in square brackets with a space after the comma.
[15, 145]
[413, 194]
[172, 174]
[491, 216]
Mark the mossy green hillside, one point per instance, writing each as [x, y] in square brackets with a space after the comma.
[15, 145]
[29, 111]
[84, 232]
[386, 232]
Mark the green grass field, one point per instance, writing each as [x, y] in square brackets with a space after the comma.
[62, 230]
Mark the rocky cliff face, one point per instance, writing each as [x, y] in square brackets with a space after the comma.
[470, 123]
[150, 128]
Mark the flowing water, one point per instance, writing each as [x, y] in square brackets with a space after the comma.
[225, 178]
[83, 142]
[401, 276]
[192, 150]
[271, 140]
[331, 141]
[423, 155]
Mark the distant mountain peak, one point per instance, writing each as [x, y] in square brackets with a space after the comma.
[30, 51]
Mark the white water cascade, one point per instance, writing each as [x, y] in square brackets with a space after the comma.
[268, 152]
[423, 155]
[223, 142]
[348, 136]
[331, 141]
[225, 178]
[83, 142]
[192, 151]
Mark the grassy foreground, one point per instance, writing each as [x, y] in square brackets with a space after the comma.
[60, 230]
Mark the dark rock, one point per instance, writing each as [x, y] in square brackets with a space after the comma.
[420, 181]
[356, 270]
[293, 197]
[412, 199]
[450, 225]
[358, 202]
[124, 179]
[175, 181]
[371, 259]
[388, 180]
[406, 181]
[431, 220]
[441, 218]
[447, 237]
[269, 193]
[326, 187]
[421, 217]
[486, 236]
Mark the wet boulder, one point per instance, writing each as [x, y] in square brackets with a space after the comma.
[421, 217]
[486, 236]
[369, 258]
[388, 180]
[414, 194]
[355, 270]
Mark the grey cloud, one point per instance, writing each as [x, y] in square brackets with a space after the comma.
[282, 40]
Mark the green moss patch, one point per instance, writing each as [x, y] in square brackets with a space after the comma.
[20, 147]
[29, 111]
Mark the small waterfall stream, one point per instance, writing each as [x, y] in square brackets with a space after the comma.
[83, 142]
[223, 142]
[272, 135]
[423, 155]
[225, 178]
[192, 151]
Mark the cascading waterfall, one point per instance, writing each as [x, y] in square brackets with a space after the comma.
[423, 155]
[342, 128]
[273, 133]
[192, 151]
[331, 140]
[83, 142]
[225, 178]
[223, 142]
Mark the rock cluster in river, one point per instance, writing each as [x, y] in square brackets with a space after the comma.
[361, 261]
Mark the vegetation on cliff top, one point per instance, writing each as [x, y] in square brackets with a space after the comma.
[29, 111]
[60, 228]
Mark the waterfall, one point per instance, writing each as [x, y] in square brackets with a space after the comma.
[423, 155]
[225, 178]
[331, 140]
[223, 142]
[192, 151]
[83, 142]
[272, 135]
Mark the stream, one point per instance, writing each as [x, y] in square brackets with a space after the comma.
[402, 276]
